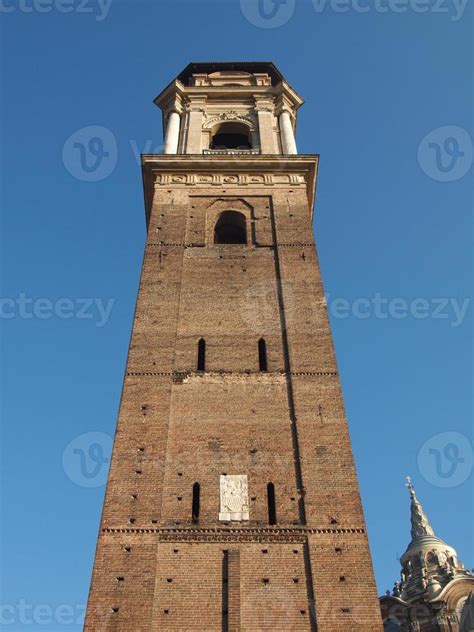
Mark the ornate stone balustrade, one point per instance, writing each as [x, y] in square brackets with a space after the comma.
[232, 152]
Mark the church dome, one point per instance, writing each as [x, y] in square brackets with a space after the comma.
[428, 564]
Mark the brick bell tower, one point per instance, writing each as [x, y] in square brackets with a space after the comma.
[232, 501]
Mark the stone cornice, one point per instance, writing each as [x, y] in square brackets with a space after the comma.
[230, 91]
[274, 97]
[155, 164]
[232, 534]
[274, 376]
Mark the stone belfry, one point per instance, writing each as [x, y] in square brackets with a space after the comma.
[232, 501]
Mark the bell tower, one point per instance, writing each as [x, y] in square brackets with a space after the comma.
[232, 501]
[229, 109]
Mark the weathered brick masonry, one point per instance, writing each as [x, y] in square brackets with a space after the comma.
[165, 560]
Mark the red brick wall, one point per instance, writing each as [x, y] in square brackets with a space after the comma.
[286, 426]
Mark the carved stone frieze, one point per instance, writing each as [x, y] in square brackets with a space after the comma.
[270, 376]
[231, 533]
[240, 179]
[231, 536]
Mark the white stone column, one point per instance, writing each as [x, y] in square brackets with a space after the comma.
[287, 135]
[172, 133]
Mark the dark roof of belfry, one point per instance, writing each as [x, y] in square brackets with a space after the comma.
[244, 66]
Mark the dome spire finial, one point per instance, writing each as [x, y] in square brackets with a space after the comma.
[420, 525]
[409, 484]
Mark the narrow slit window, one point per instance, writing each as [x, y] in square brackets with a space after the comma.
[201, 363]
[262, 355]
[225, 591]
[196, 502]
[272, 517]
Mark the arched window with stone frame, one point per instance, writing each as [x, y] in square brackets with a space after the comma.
[231, 135]
[230, 228]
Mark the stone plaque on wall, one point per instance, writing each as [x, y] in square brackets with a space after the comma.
[234, 498]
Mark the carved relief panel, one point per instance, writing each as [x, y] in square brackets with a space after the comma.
[234, 498]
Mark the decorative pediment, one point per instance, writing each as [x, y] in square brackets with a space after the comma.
[230, 116]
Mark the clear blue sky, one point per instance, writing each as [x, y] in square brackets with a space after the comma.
[387, 224]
